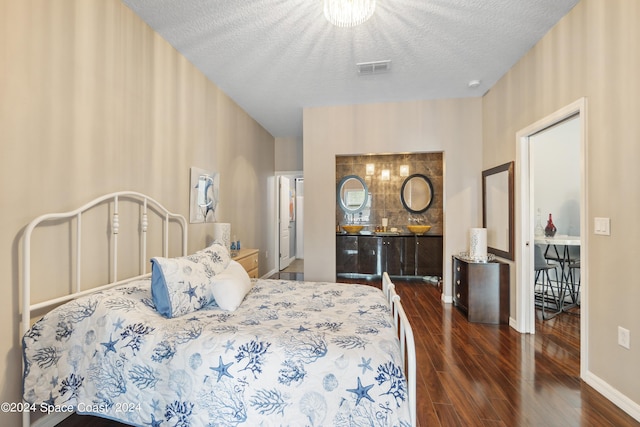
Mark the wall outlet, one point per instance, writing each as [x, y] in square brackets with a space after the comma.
[624, 337]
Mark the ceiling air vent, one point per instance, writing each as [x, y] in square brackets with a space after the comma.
[374, 67]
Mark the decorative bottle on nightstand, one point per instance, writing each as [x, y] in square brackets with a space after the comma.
[550, 229]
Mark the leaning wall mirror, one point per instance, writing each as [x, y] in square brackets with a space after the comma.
[416, 193]
[498, 209]
[352, 194]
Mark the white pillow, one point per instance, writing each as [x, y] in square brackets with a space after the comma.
[231, 286]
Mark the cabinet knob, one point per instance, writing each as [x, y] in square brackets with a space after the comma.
[458, 268]
[458, 282]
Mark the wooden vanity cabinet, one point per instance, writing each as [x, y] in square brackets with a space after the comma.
[398, 255]
[368, 255]
[481, 290]
[346, 254]
[423, 255]
[391, 255]
[377, 254]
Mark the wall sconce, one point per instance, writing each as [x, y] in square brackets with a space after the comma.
[370, 168]
[386, 175]
[404, 170]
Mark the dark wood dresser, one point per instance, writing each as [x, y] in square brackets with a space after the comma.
[481, 290]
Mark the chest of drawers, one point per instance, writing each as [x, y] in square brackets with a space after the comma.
[248, 258]
[481, 290]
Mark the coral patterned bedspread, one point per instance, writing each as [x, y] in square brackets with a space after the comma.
[293, 354]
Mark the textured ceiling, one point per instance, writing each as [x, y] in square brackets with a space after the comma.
[275, 57]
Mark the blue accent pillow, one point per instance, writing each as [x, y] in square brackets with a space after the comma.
[182, 285]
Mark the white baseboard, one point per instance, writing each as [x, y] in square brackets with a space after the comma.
[513, 323]
[269, 274]
[620, 400]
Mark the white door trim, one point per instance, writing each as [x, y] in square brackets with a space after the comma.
[525, 319]
[276, 216]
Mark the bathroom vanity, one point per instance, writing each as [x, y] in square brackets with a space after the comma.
[389, 216]
[400, 255]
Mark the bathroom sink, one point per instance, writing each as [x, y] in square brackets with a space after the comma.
[351, 229]
[419, 229]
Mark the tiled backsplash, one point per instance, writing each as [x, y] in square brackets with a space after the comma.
[385, 195]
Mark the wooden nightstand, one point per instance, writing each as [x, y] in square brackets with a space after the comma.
[248, 258]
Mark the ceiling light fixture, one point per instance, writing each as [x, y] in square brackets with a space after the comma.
[348, 13]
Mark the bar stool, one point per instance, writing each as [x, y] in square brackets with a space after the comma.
[574, 282]
[547, 296]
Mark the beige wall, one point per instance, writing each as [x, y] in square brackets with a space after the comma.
[452, 126]
[593, 52]
[288, 154]
[93, 101]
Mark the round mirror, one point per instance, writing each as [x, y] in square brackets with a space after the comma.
[416, 193]
[352, 194]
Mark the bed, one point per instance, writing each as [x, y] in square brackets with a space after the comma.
[195, 343]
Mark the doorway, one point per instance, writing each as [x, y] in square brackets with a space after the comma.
[284, 221]
[289, 220]
[526, 217]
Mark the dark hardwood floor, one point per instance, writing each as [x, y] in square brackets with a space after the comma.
[487, 375]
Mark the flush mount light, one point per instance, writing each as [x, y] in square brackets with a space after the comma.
[370, 168]
[474, 84]
[348, 13]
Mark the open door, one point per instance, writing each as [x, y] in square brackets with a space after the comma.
[283, 221]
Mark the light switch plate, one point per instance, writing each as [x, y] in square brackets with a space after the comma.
[602, 226]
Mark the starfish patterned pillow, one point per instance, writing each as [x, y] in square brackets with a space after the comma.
[182, 285]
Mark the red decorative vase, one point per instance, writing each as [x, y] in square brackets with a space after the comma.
[550, 229]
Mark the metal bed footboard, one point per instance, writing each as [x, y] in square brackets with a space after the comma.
[407, 342]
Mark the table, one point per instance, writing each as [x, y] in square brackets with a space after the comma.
[563, 257]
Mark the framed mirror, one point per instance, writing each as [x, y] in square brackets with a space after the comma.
[416, 193]
[352, 194]
[498, 210]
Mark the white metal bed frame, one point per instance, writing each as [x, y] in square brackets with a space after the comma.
[147, 203]
[407, 342]
[401, 322]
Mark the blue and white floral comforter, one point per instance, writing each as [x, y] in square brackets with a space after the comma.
[293, 354]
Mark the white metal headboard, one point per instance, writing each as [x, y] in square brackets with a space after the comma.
[132, 196]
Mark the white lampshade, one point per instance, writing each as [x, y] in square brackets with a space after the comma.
[222, 233]
[478, 243]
